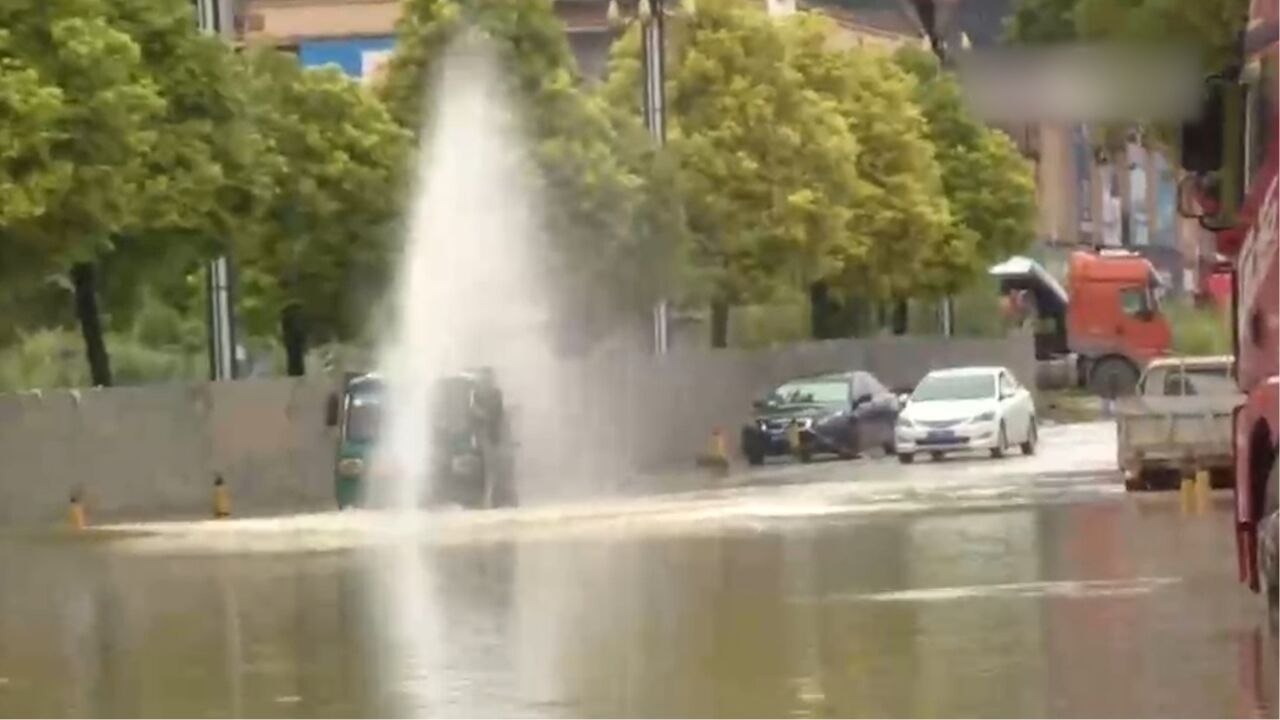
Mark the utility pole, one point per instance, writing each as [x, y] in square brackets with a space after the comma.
[927, 11]
[655, 119]
[214, 16]
[651, 16]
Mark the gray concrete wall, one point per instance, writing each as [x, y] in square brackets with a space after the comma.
[153, 452]
[614, 416]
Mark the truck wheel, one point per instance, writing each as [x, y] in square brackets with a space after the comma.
[906, 458]
[1268, 545]
[1112, 377]
[755, 457]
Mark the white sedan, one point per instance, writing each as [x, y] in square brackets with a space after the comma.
[978, 408]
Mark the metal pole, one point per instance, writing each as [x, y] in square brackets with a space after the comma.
[655, 120]
[211, 17]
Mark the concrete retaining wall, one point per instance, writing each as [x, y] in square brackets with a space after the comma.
[153, 452]
[618, 415]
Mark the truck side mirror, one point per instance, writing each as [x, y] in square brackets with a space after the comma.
[331, 408]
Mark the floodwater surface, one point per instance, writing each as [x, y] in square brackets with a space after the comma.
[1028, 587]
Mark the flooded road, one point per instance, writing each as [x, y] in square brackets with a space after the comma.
[1021, 587]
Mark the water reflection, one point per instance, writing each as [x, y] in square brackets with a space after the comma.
[825, 618]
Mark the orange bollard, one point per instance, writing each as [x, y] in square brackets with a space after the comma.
[75, 512]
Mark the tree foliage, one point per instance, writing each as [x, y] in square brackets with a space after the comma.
[801, 164]
[989, 186]
[766, 164]
[333, 161]
[97, 105]
[913, 248]
[135, 147]
[1208, 27]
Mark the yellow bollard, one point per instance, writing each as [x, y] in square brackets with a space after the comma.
[718, 450]
[221, 499]
[1186, 491]
[1202, 491]
[75, 512]
[716, 456]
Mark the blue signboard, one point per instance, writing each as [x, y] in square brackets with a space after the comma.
[353, 55]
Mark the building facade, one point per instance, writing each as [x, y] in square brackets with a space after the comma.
[358, 35]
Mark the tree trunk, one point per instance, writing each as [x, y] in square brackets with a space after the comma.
[857, 311]
[899, 317]
[294, 335]
[84, 281]
[820, 311]
[719, 324]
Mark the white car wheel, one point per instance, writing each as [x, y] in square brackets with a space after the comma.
[1002, 442]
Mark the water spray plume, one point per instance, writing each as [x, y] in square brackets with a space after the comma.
[470, 290]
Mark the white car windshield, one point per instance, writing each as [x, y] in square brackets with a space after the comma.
[955, 387]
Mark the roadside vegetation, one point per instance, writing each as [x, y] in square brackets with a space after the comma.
[806, 189]
[1199, 329]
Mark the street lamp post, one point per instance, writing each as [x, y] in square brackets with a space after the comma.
[927, 11]
[651, 16]
[212, 16]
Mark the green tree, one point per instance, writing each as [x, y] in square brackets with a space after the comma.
[334, 161]
[97, 141]
[989, 186]
[29, 183]
[1042, 22]
[206, 181]
[913, 247]
[612, 219]
[143, 151]
[767, 166]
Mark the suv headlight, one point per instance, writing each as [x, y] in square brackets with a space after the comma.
[905, 422]
[804, 423]
[987, 416]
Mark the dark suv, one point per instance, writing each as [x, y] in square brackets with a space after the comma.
[842, 413]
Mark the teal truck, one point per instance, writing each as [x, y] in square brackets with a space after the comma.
[470, 447]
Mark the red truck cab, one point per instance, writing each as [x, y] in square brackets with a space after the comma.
[1114, 318]
[1109, 318]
